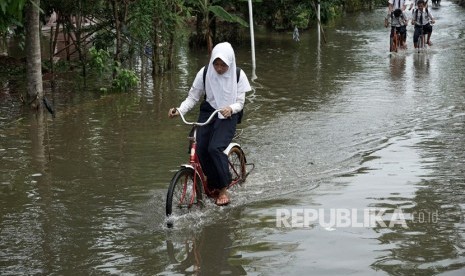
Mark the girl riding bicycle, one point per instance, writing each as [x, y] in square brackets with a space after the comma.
[224, 92]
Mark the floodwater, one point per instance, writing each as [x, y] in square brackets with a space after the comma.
[358, 166]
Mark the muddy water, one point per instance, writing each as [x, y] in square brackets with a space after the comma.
[368, 145]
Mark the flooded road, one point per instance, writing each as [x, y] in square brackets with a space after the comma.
[363, 149]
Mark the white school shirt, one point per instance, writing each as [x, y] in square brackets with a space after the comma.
[197, 92]
[427, 17]
[398, 21]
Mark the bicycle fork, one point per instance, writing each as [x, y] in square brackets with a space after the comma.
[185, 188]
[199, 177]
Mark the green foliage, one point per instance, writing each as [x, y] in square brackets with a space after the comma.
[156, 23]
[297, 14]
[219, 12]
[104, 40]
[209, 14]
[99, 60]
[140, 27]
[11, 13]
[286, 14]
[12, 8]
[301, 16]
[330, 10]
[125, 79]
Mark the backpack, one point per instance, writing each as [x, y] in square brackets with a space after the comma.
[238, 74]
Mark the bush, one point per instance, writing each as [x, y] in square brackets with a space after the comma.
[100, 61]
[125, 79]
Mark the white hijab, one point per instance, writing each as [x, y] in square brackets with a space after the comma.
[223, 88]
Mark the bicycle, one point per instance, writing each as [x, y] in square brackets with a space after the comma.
[421, 44]
[189, 184]
[397, 21]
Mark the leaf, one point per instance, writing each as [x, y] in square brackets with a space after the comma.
[221, 13]
[3, 7]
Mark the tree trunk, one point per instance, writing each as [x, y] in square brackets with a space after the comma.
[34, 61]
[117, 21]
[157, 57]
[170, 62]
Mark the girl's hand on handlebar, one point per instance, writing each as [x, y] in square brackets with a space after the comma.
[226, 111]
[173, 112]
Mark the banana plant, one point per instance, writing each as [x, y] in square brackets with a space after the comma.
[207, 8]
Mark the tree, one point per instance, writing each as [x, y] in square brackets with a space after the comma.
[11, 12]
[33, 59]
[207, 14]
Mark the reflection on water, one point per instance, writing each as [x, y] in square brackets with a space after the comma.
[421, 63]
[397, 65]
[208, 252]
[343, 126]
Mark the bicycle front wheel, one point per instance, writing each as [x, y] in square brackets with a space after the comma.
[397, 40]
[236, 161]
[391, 43]
[421, 42]
[184, 193]
[394, 42]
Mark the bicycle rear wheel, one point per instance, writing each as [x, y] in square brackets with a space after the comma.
[237, 169]
[182, 196]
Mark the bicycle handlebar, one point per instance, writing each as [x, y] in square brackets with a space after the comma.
[197, 123]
